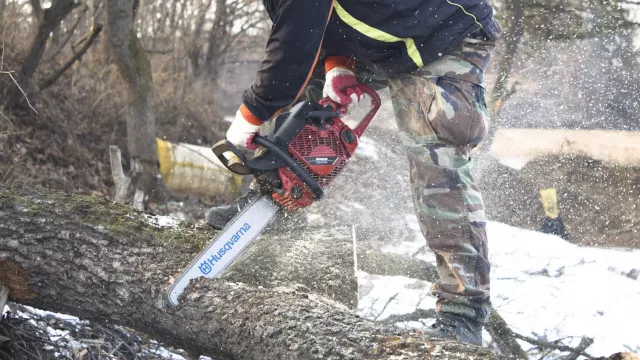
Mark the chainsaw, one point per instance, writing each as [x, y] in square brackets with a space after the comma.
[309, 147]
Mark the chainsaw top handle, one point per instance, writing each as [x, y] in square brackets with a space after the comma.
[359, 89]
[279, 157]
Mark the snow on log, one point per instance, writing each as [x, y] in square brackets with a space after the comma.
[97, 260]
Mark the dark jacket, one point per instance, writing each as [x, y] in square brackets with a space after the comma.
[390, 36]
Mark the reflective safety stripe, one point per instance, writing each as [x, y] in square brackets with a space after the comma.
[465, 11]
[379, 35]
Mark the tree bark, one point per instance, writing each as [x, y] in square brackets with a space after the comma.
[104, 262]
[49, 20]
[217, 36]
[135, 70]
[195, 47]
[2, 6]
[278, 260]
[36, 7]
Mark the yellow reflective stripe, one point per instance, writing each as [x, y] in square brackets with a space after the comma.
[379, 35]
[465, 11]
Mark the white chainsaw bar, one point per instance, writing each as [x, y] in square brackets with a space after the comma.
[236, 236]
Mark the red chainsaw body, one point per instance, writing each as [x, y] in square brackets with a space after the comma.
[323, 152]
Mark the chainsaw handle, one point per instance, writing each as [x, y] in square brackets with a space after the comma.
[239, 164]
[364, 123]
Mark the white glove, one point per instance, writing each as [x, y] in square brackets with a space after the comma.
[340, 80]
[242, 131]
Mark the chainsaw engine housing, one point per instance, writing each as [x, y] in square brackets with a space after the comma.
[320, 142]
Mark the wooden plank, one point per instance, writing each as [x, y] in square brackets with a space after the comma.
[618, 147]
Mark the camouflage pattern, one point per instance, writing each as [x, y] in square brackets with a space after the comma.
[442, 115]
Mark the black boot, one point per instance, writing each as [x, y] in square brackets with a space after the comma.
[218, 217]
[454, 326]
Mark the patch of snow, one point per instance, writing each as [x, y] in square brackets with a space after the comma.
[367, 148]
[161, 221]
[541, 285]
[65, 338]
[43, 313]
[381, 296]
[161, 352]
[514, 163]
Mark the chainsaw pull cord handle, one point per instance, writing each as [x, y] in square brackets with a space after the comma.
[364, 123]
[244, 166]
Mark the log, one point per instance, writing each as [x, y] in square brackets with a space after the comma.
[106, 262]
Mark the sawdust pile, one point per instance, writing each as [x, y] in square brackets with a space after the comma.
[599, 202]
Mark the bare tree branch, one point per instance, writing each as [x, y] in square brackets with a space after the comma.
[77, 56]
[38, 12]
[70, 33]
[550, 345]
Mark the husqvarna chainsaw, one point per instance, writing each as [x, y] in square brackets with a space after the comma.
[310, 145]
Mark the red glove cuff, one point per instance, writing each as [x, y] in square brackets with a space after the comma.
[249, 117]
[339, 61]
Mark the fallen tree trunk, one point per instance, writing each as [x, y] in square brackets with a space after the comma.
[105, 262]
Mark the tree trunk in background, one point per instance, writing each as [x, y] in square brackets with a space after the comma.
[513, 36]
[194, 48]
[49, 20]
[37, 11]
[218, 34]
[135, 69]
[2, 5]
[100, 261]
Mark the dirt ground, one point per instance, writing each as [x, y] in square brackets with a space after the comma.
[65, 146]
[599, 202]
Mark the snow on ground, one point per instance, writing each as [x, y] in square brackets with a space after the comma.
[541, 285]
[513, 162]
[73, 337]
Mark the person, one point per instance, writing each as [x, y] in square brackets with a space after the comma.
[431, 54]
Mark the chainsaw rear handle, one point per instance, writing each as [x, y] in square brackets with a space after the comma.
[281, 155]
[240, 168]
[364, 123]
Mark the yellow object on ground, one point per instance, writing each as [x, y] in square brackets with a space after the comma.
[195, 169]
[549, 199]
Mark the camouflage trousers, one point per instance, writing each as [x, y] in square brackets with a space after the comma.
[442, 115]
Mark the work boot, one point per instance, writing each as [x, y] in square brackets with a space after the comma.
[217, 217]
[462, 328]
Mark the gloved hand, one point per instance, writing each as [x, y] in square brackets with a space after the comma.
[340, 80]
[243, 129]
